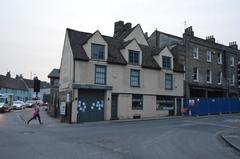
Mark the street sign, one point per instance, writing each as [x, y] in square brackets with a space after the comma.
[63, 108]
[68, 97]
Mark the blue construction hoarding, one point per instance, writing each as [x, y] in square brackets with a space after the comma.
[206, 106]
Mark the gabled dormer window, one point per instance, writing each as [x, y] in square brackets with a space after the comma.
[133, 57]
[97, 51]
[166, 62]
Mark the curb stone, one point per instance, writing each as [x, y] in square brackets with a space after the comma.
[235, 147]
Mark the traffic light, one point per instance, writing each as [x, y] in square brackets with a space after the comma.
[36, 84]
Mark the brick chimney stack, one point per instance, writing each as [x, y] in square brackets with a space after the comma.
[120, 27]
[189, 31]
[233, 45]
[210, 38]
[8, 74]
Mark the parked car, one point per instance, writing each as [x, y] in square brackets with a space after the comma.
[45, 106]
[18, 105]
[6, 102]
[40, 102]
[29, 103]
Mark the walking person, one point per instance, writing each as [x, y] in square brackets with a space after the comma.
[36, 113]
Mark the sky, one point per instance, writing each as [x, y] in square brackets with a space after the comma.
[32, 31]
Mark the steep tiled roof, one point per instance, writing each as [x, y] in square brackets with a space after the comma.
[114, 54]
[78, 39]
[12, 83]
[175, 50]
[55, 73]
[124, 34]
[147, 56]
[43, 84]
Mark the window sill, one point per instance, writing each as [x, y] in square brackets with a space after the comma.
[209, 82]
[219, 83]
[135, 86]
[160, 109]
[168, 69]
[137, 108]
[134, 64]
[102, 60]
[101, 84]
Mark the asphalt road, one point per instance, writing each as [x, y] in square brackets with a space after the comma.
[181, 138]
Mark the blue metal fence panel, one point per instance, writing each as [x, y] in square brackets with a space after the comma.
[205, 106]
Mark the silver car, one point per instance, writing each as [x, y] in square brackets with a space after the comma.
[18, 105]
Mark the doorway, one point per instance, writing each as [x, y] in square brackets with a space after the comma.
[114, 107]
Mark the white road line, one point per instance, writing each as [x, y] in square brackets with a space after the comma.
[21, 118]
[212, 124]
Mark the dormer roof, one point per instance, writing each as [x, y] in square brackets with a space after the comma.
[77, 39]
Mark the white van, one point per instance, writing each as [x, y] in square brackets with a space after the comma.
[6, 102]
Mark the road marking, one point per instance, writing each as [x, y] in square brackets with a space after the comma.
[21, 117]
[232, 120]
[212, 124]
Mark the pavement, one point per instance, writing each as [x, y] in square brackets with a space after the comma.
[47, 121]
[232, 138]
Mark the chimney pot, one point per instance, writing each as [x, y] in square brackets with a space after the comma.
[118, 27]
[233, 45]
[189, 31]
[128, 26]
[146, 35]
[210, 38]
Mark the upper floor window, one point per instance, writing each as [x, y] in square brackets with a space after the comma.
[231, 61]
[137, 101]
[133, 57]
[184, 74]
[219, 58]
[97, 51]
[166, 62]
[168, 81]
[232, 81]
[220, 77]
[209, 76]
[135, 78]
[195, 53]
[195, 74]
[209, 56]
[100, 74]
